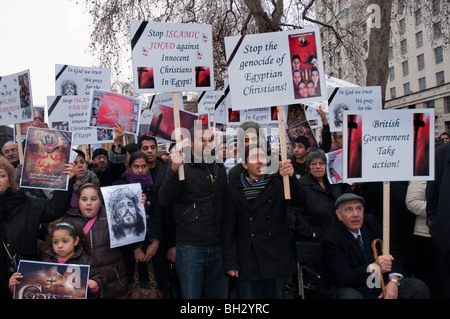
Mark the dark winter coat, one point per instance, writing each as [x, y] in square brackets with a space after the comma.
[256, 239]
[198, 202]
[316, 209]
[82, 258]
[108, 260]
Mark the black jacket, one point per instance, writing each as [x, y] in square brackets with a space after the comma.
[316, 209]
[198, 202]
[256, 239]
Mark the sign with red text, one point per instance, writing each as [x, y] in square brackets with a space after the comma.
[70, 113]
[171, 57]
[276, 68]
[16, 98]
[46, 152]
[388, 145]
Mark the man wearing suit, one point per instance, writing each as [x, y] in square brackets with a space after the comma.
[349, 261]
[438, 215]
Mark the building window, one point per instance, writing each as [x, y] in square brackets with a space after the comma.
[437, 32]
[440, 78]
[406, 88]
[419, 39]
[404, 46]
[393, 93]
[421, 62]
[418, 16]
[391, 74]
[391, 53]
[447, 104]
[439, 55]
[430, 104]
[436, 6]
[402, 25]
[422, 83]
[405, 68]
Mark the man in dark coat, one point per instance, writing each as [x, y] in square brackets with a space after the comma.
[198, 204]
[438, 215]
[350, 267]
[257, 250]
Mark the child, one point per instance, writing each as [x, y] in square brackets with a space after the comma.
[68, 244]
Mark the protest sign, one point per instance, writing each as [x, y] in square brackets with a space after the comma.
[154, 101]
[79, 80]
[302, 129]
[275, 68]
[69, 113]
[38, 119]
[207, 102]
[171, 57]
[351, 98]
[46, 152]
[15, 98]
[388, 145]
[108, 108]
[125, 214]
[44, 280]
[162, 124]
[334, 166]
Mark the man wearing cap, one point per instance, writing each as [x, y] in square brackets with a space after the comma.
[110, 166]
[350, 267]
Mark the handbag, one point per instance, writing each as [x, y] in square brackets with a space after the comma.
[145, 293]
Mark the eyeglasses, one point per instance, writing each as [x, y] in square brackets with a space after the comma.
[317, 163]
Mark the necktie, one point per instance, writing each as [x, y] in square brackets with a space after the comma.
[362, 248]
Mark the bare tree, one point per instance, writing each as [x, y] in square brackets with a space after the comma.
[111, 24]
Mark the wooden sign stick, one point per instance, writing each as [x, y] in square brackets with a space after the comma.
[386, 217]
[19, 142]
[176, 120]
[287, 190]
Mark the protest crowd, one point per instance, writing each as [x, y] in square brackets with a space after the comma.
[215, 216]
[222, 232]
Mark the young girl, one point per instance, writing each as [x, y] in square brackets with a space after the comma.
[91, 216]
[68, 244]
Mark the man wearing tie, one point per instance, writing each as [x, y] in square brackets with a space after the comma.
[351, 270]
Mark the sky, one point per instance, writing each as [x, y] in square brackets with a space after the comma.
[36, 35]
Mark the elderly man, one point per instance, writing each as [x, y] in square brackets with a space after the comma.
[349, 263]
[11, 151]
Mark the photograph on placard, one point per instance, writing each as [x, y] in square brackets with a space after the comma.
[16, 98]
[45, 280]
[334, 166]
[302, 129]
[108, 108]
[38, 119]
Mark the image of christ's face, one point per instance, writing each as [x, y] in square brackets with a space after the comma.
[127, 211]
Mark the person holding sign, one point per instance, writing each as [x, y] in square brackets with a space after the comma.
[257, 250]
[21, 217]
[198, 205]
[351, 269]
[91, 216]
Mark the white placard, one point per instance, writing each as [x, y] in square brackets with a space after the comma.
[125, 213]
[16, 98]
[263, 69]
[172, 57]
[388, 145]
[80, 80]
[351, 98]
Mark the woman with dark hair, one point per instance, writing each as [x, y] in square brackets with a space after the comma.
[146, 251]
[317, 198]
[20, 217]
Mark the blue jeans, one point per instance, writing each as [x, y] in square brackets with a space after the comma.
[200, 272]
[261, 289]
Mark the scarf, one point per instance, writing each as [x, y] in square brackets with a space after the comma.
[145, 180]
[253, 187]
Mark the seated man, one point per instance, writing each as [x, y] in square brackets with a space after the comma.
[350, 264]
